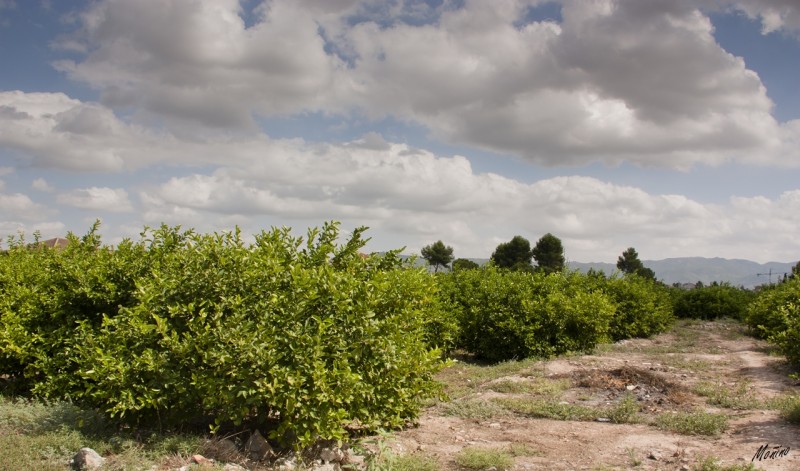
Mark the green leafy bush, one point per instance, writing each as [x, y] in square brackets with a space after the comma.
[712, 302]
[306, 336]
[767, 314]
[775, 315]
[45, 292]
[516, 314]
[643, 306]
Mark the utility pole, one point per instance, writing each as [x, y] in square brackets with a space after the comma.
[769, 274]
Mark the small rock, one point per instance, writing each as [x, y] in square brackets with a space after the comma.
[221, 450]
[257, 447]
[284, 464]
[494, 425]
[327, 467]
[603, 419]
[200, 459]
[654, 455]
[86, 458]
[630, 387]
[358, 461]
[331, 455]
[233, 467]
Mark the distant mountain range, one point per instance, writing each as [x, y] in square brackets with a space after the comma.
[693, 269]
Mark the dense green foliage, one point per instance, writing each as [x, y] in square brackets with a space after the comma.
[712, 302]
[438, 254]
[186, 327]
[464, 264]
[516, 314]
[549, 254]
[515, 254]
[775, 315]
[643, 308]
[44, 293]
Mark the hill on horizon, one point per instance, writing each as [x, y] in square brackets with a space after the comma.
[737, 272]
[707, 270]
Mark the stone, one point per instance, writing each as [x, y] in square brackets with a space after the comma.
[221, 450]
[257, 447]
[356, 461]
[233, 467]
[327, 467]
[331, 455]
[284, 464]
[654, 455]
[200, 459]
[87, 459]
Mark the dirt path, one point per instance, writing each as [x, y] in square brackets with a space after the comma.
[698, 367]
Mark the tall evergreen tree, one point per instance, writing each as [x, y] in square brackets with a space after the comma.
[629, 263]
[515, 254]
[437, 254]
[549, 254]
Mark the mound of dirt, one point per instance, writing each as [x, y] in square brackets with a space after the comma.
[655, 392]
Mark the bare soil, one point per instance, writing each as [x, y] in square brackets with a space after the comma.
[675, 372]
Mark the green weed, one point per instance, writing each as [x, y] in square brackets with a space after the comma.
[484, 458]
[624, 412]
[711, 463]
[741, 397]
[693, 423]
[523, 449]
[548, 409]
[633, 458]
[789, 405]
[474, 409]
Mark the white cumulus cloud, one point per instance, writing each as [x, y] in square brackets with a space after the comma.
[113, 200]
[42, 185]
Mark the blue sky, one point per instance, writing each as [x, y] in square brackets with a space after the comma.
[668, 125]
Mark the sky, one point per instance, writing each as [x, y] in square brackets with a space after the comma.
[670, 126]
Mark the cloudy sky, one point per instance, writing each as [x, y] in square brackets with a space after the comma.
[672, 126]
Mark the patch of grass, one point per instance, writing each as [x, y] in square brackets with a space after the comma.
[389, 461]
[693, 423]
[633, 459]
[478, 409]
[789, 405]
[484, 458]
[624, 412]
[45, 436]
[548, 409]
[511, 387]
[523, 449]
[461, 378]
[711, 463]
[740, 397]
[688, 364]
[537, 387]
